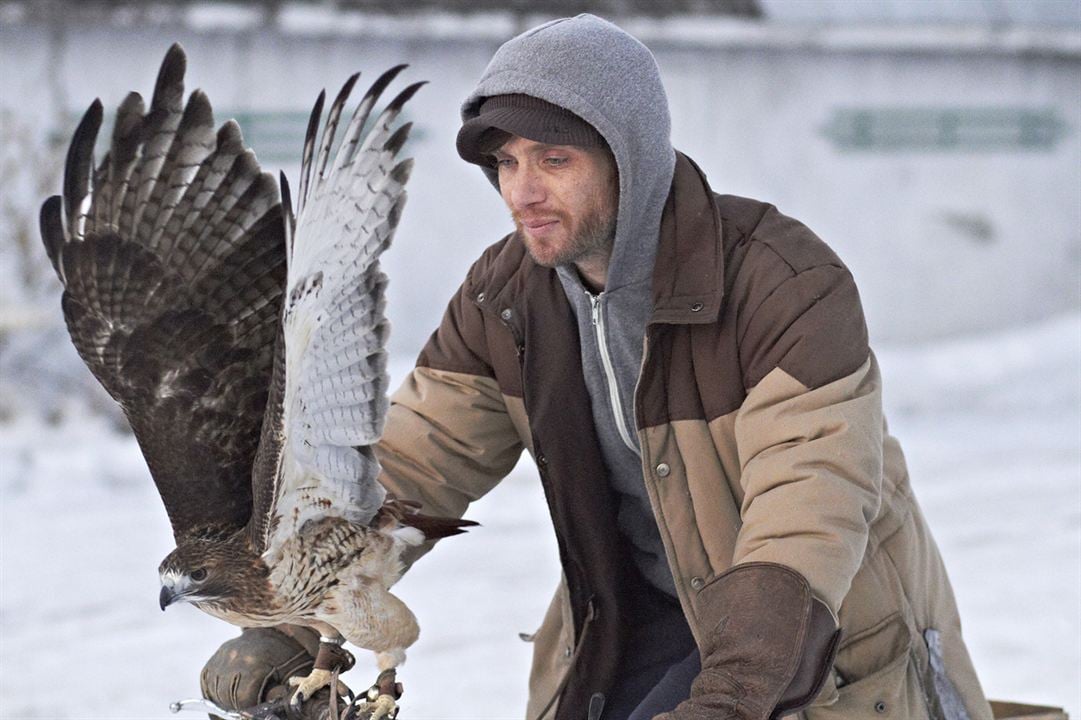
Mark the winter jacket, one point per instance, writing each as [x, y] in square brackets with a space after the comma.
[758, 414]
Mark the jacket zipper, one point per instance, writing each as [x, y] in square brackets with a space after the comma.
[609, 371]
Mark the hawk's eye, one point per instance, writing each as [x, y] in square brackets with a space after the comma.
[199, 575]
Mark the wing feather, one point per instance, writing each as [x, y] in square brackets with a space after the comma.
[172, 257]
[160, 130]
[80, 160]
[307, 154]
[331, 127]
[357, 125]
[113, 175]
[51, 224]
[193, 143]
[329, 397]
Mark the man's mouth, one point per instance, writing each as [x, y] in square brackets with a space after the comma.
[538, 224]
[540, 227]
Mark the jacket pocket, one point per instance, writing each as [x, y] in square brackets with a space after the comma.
[877, 677]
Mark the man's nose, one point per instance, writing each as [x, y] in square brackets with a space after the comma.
[526, 189]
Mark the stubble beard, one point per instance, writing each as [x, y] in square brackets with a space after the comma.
[591, 239]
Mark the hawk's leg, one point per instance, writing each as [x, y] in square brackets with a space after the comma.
[332, 658]
[383, 696]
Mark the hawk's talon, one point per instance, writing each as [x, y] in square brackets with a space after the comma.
[379, 706]
[313, 683]
[382, 697]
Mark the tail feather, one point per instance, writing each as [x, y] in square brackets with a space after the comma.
[435, 527]
[396, 511]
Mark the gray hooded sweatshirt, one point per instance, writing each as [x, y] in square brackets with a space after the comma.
[611, 80]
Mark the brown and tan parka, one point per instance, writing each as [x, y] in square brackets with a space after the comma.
[758, 411]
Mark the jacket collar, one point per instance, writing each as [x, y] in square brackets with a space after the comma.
[688, 277]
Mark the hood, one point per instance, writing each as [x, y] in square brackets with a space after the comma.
[611, 80]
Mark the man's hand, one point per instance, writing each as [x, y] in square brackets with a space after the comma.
[770, 649]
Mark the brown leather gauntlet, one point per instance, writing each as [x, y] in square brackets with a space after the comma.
[254, 667]
[769, 649]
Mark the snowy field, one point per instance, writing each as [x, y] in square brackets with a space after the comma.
[991, 426]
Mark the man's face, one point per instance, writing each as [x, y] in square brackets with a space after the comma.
[563, 198]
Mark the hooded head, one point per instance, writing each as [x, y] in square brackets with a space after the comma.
[597, 87]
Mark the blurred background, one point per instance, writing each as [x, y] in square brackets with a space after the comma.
[935, 144]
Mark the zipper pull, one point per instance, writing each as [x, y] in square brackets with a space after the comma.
[595, 307]
[596, 706]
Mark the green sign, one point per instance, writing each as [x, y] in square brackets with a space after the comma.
[277, 137]
[961, 129]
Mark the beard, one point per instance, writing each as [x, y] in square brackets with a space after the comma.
[591, 237]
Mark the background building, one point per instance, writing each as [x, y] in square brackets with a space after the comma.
[935, 145]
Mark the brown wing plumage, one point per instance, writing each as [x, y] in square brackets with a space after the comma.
[172, 257]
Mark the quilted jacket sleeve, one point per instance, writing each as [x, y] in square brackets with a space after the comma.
[449, 438]
[809, 433]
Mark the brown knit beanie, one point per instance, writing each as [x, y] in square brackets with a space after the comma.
[524, 116]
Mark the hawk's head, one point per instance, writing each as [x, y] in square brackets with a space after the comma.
[205, 569]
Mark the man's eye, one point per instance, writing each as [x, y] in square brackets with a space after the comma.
[504, 162]
[555, 161]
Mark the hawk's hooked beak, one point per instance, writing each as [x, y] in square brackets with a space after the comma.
[166, 598]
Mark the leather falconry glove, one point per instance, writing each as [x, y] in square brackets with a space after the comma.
[770, 649]
[255, 667]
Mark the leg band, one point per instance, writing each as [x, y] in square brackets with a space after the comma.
[333, 655]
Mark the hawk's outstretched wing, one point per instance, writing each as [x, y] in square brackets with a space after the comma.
[172, 256]
[328, 398]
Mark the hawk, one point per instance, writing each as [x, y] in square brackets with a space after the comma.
[246, 346]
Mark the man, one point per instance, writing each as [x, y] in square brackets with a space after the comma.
[692, 376]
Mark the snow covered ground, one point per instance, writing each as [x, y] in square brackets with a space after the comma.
[991, 426]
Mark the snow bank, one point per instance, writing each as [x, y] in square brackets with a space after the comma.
[991, 426]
